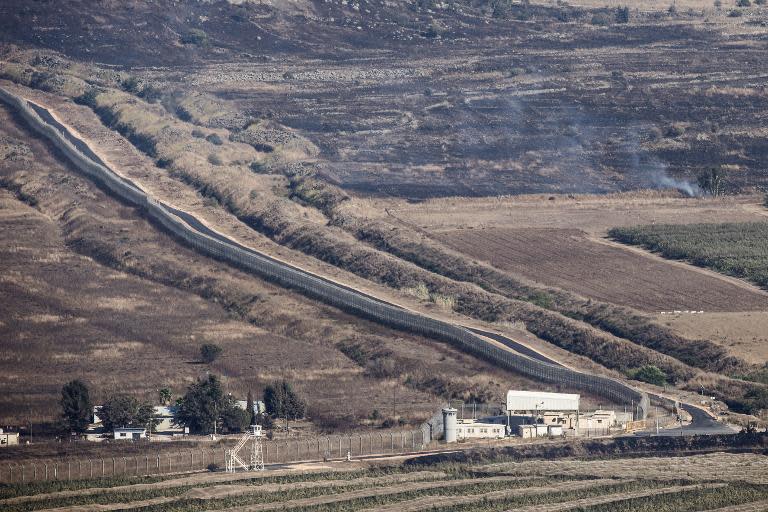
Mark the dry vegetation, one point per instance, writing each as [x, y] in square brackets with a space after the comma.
[73, 315]
[270, 119]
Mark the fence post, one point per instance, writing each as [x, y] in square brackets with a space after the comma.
[22, 473]
[392, 441]
[69, 471]
[158, 463]
[56, 471]
[34, 472]
[381, 442]
[46, 471]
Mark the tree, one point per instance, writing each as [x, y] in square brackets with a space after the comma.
[622, 15]
[165, 396]
[712, 181]
[209, 352]
[249, 408]
[205, 407]
[76, 406]
[281, 401]
[234, 419]
[650, 374]
[123, 410]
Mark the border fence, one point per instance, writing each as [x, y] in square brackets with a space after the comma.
[195, 234]
[197, 459]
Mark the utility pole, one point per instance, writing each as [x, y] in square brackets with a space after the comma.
[657, 419]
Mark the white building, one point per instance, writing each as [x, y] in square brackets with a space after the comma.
[129, 433]
[474, 429]
[8, 438]
[541, 401]
[598, 419]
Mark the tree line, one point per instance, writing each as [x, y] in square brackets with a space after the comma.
[205, 408]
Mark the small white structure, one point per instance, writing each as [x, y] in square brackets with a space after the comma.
[598, 419]
[129, 433]
[8, 438]
[540, 401]
[536, 430]
[555, 430]
[258, 406]
[449, 424]
[474, 429]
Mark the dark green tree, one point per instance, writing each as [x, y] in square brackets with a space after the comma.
[650, 374]
[76, 406]
[281, 401]
[165, 396]
[234, 419]
[209, 352]
[249, 408]
[205, 408]
[123, 410]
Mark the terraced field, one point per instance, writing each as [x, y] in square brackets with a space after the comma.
[704, 482]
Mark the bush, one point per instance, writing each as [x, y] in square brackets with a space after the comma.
[650, 374]
[198, 133]
[622, 15]
[214, 139]
[209, 352]
[743, 3]
[734, 13]
[600, 20]
[215, 159]
[212, 467]
[195, 36]
[130, 85]
[674, 131]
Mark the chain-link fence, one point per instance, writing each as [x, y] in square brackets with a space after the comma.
[196, 459]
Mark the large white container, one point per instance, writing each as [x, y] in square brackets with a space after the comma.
[541, 401]
[449, 423]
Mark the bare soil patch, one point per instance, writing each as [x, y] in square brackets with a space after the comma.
[567, 259]
[742, 333]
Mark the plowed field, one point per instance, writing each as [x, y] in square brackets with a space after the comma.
[569, 259]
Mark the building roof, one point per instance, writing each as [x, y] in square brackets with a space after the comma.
[129, 429]
[541, 400]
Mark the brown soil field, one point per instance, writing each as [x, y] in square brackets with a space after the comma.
[568, 259]
[743, 334]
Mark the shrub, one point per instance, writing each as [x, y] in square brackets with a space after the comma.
[88, 98]
[198, 133]
[212, 467]
[195, 36]
[214, 139]
[622, 15]
[743, 3]
[215, 159]
[209, 352]
[650, 374]
[130, 84]
[734, 13]
[600, 20]
[674, 131]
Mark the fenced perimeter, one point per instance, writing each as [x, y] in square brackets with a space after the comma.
[196, 459]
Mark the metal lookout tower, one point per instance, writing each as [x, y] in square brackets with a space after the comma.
[256, 463]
